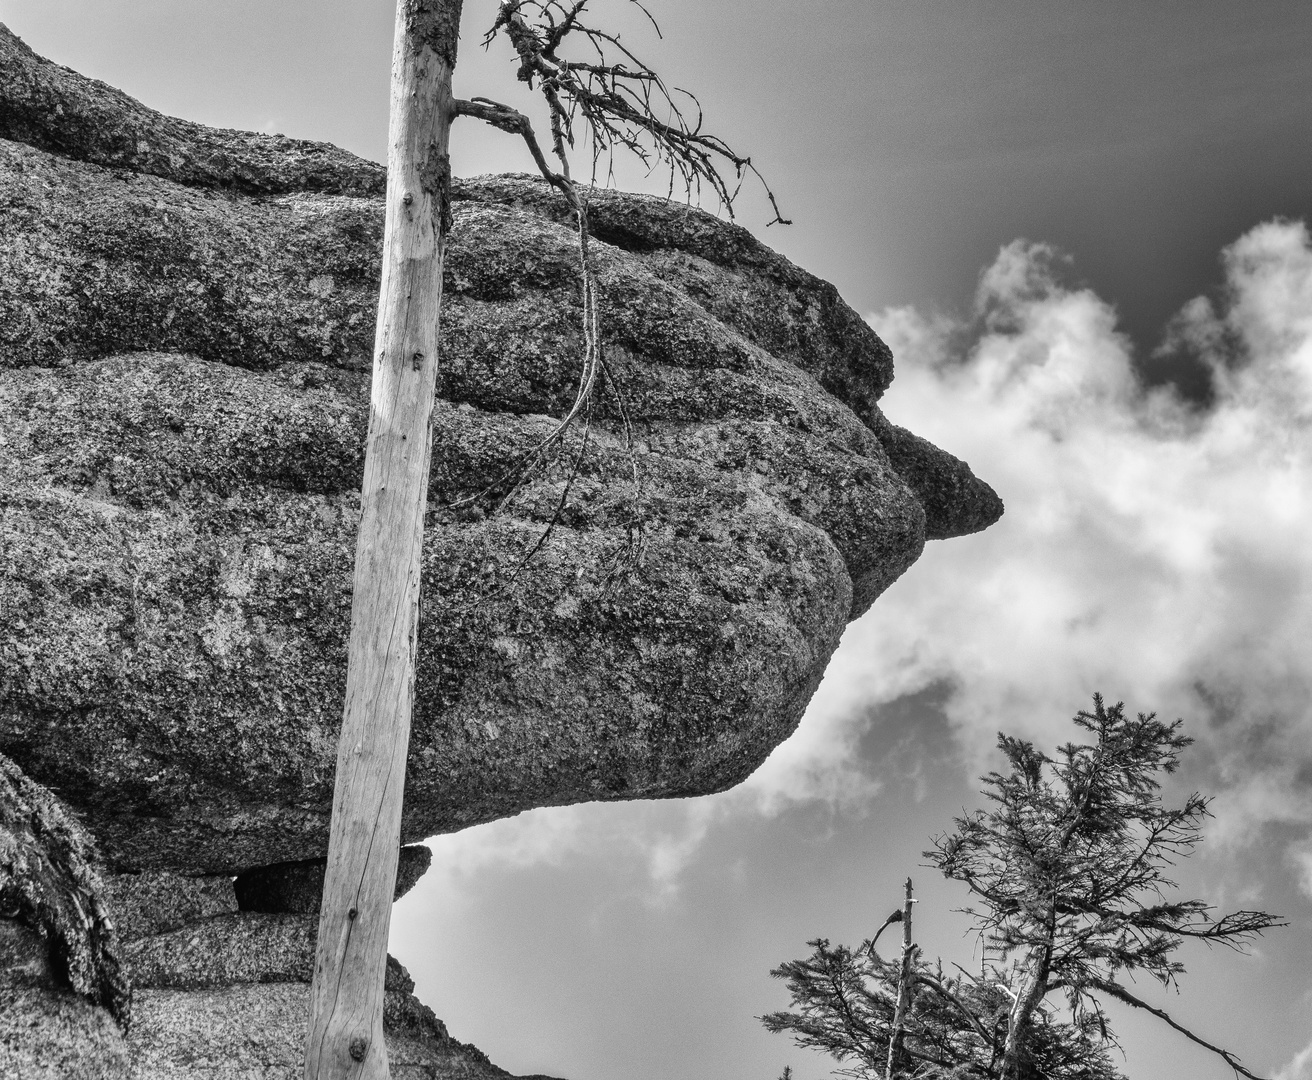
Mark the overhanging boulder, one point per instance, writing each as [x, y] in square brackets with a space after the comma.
[184, 357]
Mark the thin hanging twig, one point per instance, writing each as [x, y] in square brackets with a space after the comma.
[618, 101]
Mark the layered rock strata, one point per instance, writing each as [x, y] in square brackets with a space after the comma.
[219, 992]
[222, 991]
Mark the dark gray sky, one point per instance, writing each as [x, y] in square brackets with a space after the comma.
[1152, 553]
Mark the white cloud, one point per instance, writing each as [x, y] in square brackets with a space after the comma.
[539, 837]
[1154, 552]
[1300, 858]
[648, 844]
[1299, 1067]
[1150, 550]
[818, 763]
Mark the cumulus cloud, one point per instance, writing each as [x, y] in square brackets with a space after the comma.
[544, 836]
[646, 845]
[1299, 1068]
[1152, 550]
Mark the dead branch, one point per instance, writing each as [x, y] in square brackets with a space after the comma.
[622, 103]
[617, 102]
[939, 988]
[512, 121]
[1119, 992]
[516, 123]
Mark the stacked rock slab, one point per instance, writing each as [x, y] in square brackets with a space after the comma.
[221, 992]
[219, 969]
[186, 321]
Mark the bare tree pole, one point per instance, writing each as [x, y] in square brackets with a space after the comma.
[1034, 986]
[619, 106]
[903, 987]
[346, 1022]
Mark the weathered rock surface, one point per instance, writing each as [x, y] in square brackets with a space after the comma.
[298, 887]
[98, 123]
[224, 994]
[47, 1030]
[219, 993]
[186, 322]
[155, 903]
[183, 397]
[258, 1030]
[64, 994]
[48, 883]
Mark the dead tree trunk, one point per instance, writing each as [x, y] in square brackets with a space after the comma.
[346, 1022]
[898, 1032]
[1033, 988]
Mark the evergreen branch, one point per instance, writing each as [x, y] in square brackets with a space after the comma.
[939, 988]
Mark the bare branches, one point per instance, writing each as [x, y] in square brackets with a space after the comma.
[516, 123]
[593, 364]
[515, 476]
[1119, 992]
[619, 99]
[612, 99]
[896, 917]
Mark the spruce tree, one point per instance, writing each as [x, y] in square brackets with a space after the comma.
[1068, 872]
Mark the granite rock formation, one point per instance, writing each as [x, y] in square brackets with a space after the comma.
[222, 991]
[183, 394]
[186, 322]
[219, 993]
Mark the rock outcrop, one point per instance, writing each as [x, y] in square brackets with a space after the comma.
[219, 974]
[183, 400]
[218, 993]
[223, 991]
[47, 1030]
[186, 323]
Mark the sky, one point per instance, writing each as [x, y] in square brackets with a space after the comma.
[1082, 230]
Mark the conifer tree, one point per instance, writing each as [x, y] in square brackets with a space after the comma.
[1069, 877]
[844, 1002]
[1069, 870]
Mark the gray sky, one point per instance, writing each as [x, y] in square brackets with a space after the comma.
[1152, 552]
